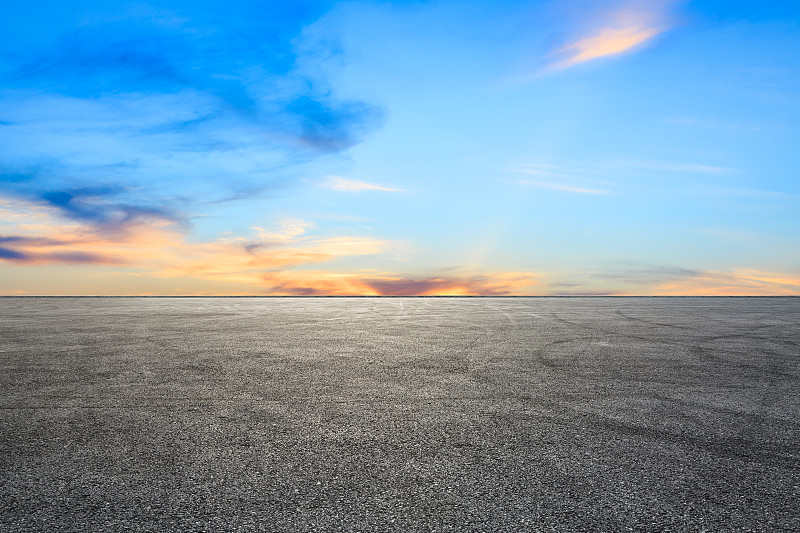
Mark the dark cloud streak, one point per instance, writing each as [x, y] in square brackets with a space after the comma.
[90, 205]
[13, 255]
[72, 257]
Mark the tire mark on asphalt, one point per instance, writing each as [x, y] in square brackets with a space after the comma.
[511, 320]
[702, 405]
[551, 362]
[729, 447]
[697, 347]
[401, 311]
[620, 313]
[605, 333]
[701, 348]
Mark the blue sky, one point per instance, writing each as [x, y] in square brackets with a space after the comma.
[592, 147]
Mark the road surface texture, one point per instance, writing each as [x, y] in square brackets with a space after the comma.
[400, 414]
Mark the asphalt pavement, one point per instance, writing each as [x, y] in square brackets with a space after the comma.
[399, 414]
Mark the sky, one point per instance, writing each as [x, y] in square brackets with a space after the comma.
[562, 147]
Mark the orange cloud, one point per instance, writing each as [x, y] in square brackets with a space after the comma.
[495, 284]
[624, 31]
[316, 282]
[32, 235]
[271, 260]
[743, 282]
[608, 42]
[155, 256]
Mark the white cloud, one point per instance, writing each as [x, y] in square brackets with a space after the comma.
[289, 229]
[337, 183]
[562, 187]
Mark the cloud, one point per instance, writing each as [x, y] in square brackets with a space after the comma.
[583, 178]
[288, 229]
[608, 42]
[694, 168]
[558, 178]
[744, 282]
[271, 260]
[646, 274]
[677, 281]
[91, 205]
[240, 60]
[57, 257]
[242, 56]
[113, 113]
[561, 187]
[587, 293]
[495, 284]
[331, 126]
[620, 31]
[29, 250]
[306, 283]
[159, 249]
[286, 259]
[12, 255]
[343, 184]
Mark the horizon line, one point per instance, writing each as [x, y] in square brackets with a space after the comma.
[400, 296]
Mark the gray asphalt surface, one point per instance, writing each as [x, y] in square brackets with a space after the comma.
[400, 414]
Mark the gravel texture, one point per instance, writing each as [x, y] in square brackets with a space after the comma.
[400, 414]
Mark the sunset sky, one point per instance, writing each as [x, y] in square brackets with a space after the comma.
[559, 147]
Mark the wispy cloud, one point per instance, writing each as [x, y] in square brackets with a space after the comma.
[623, 30]
[585, 177]
[692, 168]
[608, 42]
[562, 187]
[343, 184]
[557, 178]
[288, 229]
